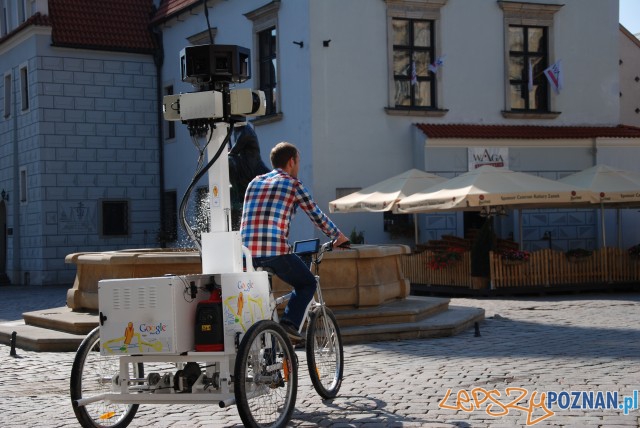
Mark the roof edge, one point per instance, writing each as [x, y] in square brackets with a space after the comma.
[161, 19]
[37, 19]
[630, 35]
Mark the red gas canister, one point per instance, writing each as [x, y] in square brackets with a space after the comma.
[209, 332]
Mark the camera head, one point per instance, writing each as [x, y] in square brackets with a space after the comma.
[205, 64]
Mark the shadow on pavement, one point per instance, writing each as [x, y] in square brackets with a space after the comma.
[505, 337]
[17, 299]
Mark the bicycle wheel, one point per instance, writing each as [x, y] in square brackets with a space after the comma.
[91, 375]
[266, 376]
[324, 352]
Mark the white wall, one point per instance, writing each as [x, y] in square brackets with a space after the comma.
[333, 98]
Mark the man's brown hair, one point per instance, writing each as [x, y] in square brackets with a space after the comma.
[281, 154]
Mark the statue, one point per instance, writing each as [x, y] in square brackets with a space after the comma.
[245, 163]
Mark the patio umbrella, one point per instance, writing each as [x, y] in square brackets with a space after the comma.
[489, 186]
[384, 195]
[611, 186]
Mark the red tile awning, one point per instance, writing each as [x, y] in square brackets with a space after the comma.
[527, 131]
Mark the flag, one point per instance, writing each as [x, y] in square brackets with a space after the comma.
[436, 65]
[554, 76]
[414, 74]
[530, 83]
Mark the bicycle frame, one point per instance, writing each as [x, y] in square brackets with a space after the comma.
[316, 301]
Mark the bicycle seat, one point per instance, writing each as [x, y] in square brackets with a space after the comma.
[268, 270]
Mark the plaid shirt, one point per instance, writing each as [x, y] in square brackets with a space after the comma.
[270, 203]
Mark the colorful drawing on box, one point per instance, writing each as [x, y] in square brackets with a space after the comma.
[129, 334]
[240, 304]
[244, 312]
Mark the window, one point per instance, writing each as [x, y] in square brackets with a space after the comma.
[115, 218]
[31, 7]
[24, 88]
[7, 95]
[169, 125]
[267, 66]
[265, 59]
[398, 225]
[22, 11]
[5, 18]
[23, 185]
[413, 44]
[527, 61]
[528, 38]
[412, 53]
[169, 231]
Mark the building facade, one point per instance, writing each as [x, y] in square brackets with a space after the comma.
[348, 82]
[79, 155]
[365, 88]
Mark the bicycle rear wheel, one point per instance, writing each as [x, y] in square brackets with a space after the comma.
[324, 352]
[266, 376]
[91, 375]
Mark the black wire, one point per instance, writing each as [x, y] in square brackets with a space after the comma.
[194, 181]
[206, 14]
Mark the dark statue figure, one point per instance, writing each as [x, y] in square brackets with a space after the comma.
[245, 163]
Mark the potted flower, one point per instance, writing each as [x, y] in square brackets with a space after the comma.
[446, 258]
[634, 252]
[578, 254]
[514, 257]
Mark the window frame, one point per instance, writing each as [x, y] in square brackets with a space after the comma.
[8, 94]
[265, 18]
[6, 18]
[426, 10]
[24, 185]
[538, 77]
[24, 88]
[531, 15]
[21, 11]
[127, 215]
[169, 126]
[265, 59]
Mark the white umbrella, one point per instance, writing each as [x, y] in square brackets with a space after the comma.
[610, 186]
[383, 196]
[490, 186]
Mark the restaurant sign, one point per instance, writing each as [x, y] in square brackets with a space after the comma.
[493, 156]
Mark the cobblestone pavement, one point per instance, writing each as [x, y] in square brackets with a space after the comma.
[580, 342]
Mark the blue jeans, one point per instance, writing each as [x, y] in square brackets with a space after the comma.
[292, 270]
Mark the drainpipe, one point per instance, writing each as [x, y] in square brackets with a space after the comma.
[158, 59]
[17, 246]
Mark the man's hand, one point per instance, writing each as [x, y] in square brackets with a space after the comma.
[341, 241]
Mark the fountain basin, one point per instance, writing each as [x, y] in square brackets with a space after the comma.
[365, 275]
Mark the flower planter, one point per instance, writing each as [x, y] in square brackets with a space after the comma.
[574, 259]
[514, 262]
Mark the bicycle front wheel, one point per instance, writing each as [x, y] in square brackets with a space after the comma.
[324, 352]
[91, 375]
[266, 376]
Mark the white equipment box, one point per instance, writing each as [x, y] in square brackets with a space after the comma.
[156, 316]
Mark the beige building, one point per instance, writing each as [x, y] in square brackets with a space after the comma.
[629, 77]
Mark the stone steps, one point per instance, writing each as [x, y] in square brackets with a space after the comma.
[62, 330]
